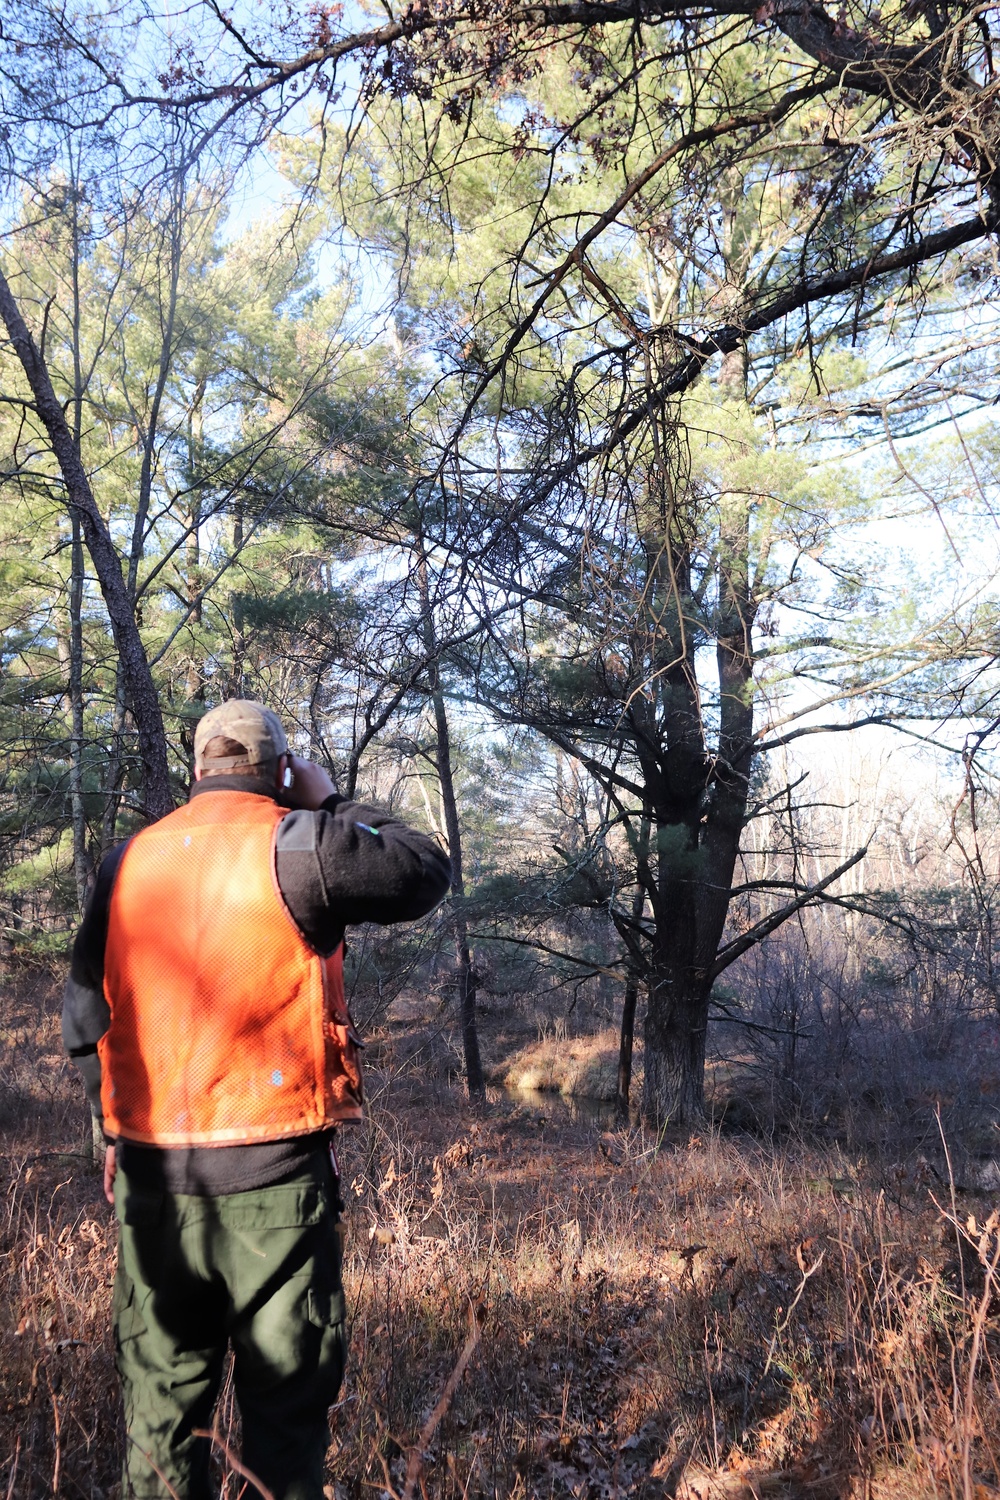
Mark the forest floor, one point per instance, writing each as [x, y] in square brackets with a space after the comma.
[726, 1314]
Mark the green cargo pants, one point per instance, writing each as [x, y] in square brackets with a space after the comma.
[258, 1270]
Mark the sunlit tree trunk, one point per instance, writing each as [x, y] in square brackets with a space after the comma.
[195, 688]
[139, 685]
[115, 767]
[81, 861]
[236, 613]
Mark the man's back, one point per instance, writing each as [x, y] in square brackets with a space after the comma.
[205, 1009]
[228, 1027]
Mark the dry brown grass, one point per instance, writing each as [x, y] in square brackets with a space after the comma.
[712, 1316]
[58, 1402]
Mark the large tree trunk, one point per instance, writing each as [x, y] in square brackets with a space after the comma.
[700, 806]
[671, 745]
[697, 858]
[674, 1059]
[139, 685]
[677, 1009]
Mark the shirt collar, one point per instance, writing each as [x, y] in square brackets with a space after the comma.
[255, 785]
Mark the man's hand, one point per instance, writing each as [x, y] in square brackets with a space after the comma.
[311, 785]
[109, 1175]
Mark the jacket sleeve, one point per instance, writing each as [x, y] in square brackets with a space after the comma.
[86, 1015]
[350, 863]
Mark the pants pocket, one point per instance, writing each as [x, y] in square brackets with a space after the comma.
[127, 1319]
[325, 1309]
[325, 1312]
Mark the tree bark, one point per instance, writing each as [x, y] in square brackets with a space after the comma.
[474, 1078]
[674, 1055]
[475, 1081]
[115, 768]
[195, 690]
[699, 804]
[81, 870]
[236, 684]
[669, 735]
[631, 995]
[139, 685]
[698, 849]
[81, 864]
[625, 1051]
[676, 1024]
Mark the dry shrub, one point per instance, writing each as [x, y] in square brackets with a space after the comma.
[581, 1067]
[702, 1316]
[60, 1422]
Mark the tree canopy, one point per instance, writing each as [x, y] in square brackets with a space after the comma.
[556, 394]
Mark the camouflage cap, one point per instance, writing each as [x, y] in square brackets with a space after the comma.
[249, 724]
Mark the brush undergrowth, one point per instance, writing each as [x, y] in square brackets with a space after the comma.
[707, 1316]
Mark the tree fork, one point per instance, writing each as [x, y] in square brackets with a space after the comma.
[139, 683]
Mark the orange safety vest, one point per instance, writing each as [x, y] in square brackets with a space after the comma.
[226, 1026]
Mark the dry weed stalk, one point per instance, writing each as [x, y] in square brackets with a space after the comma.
[415, 1464]
[236, 1465]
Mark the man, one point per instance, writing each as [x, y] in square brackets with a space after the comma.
[205, 1010]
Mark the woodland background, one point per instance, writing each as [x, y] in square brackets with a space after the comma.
[577, 420]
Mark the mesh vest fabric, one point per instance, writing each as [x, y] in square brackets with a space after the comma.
[226, 1027]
